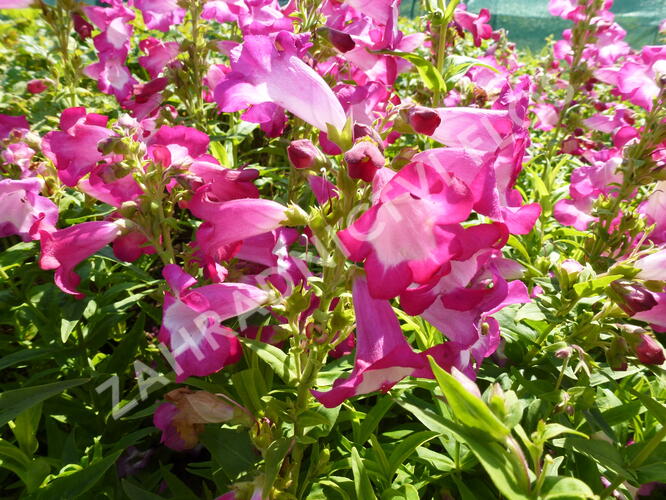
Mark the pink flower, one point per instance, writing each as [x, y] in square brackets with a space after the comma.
[460, 304]
[654, 209]
[224, 11]
[228, 223]
[547, 116]
[64, 249]
[383, 356]
[105, 186]
[473, 128]
[9, 123]
[263, 17]
[411, 232]
[112, 76]
[160, 14]
[74, 149]
[191, 322]
[184, 144]
[23, 211]
[567, 9]
[475, 24]
[158, 55]
[20, 154]
[653, 266]
[267, 70]
[16, 4]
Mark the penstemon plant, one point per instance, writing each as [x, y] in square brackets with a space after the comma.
[253, 250]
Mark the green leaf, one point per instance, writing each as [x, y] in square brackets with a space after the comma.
[593, 287]
[133, 492]
[553, 430]
[13, 403]
[456, 66]
[406, 447]
[469, 409]
[431, 77]
[74, 484]
[602, 452]
[372, 419]
[123, 354]
[657, 409]
[25, 429]
[565, 488]
[274, 357]
[505, 471]
[231, 450]
[273, 458]
[362, 484]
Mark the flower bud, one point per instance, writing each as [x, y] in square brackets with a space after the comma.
[363, 160]
[649, 351]
[339, 39]
[303, 154]
[81, 26]
[37, 86]
[362, 130]
[423, 120]
[631, 297]
[615, 354]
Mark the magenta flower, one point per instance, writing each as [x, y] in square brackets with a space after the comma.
[103, 185]
[546, 115]
[64, 249]
[263, 17]
[266, 70]
[23, 210]
[160, 14]
[412, 231]
[227, 224]
[158, 55]
[112, 76]
[383, 356]
[74, 149]
[191, 322]
[224, 11]
[20, 154]
[9, 123]
[567, 9]
[183, 144]
[462, 302]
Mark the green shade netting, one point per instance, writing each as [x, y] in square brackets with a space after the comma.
[528, 22]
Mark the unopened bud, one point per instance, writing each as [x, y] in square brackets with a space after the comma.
[81, 26]
[303, 154]
[339, 39]
[37, 86]
[363, 160]
[649, 351]
[632, 298]
[423, 120]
